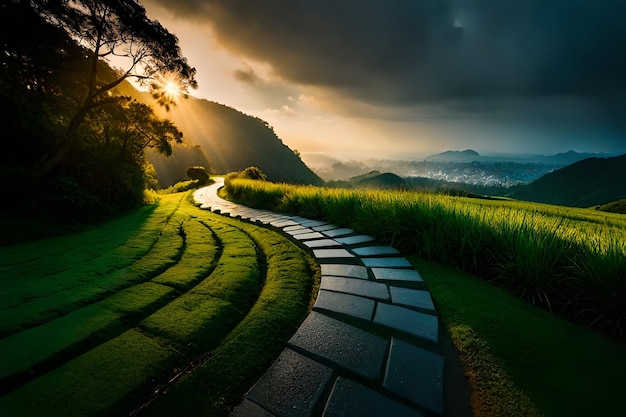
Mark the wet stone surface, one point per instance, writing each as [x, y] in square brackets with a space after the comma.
[349, 398]
[415, 374]
[351, 271]
[344, 346]
[391, 274]
[412, 322]
[347, 304]
[291, 386]
[370, 289]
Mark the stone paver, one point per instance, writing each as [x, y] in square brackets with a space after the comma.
[292, 385]
[365, 288]
[300, 231]
[332, 253]
[291, 229]
[352, 271]
[412, 298]
[349, 398]
[408, 321]
[335, 365]
[415, 374]
[355, 240]
[375, 251]
[309, 236]
[321, 243]
[390, 274]
[341, 344]
[347, 304]
[325, 227]
[395, 262]
[338, 232]
[312, 223]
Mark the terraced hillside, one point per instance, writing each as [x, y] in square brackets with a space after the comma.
[103, 322]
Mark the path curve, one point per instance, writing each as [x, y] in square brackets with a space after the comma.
[371, 346]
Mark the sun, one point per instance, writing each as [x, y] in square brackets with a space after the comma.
[170, 88]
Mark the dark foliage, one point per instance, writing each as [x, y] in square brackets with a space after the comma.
[197, 173]
[614, 207]
[70, 113]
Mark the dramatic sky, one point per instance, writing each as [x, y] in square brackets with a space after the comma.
[414, 77]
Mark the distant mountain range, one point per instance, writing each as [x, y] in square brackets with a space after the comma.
[468, 166]
[470, 155]
[589, 182]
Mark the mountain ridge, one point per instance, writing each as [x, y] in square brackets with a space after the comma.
[586, 183]
[454, 156]
[228, 140]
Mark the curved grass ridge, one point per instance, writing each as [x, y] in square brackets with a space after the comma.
[196, 279]
[36, 291]
[569, 261]
[215, 387]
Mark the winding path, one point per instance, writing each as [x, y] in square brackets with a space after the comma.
[371, 346]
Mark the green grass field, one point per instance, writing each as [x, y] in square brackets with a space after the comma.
[520, 360]
[569, 261]
[179, 300]
[101, 322]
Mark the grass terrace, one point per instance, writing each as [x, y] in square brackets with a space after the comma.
[104, 321]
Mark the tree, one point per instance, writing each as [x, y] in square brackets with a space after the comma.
[197, 173]
[112, 161]
[118, 29]
[136, 128]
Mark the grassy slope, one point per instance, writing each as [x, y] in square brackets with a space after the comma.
[102, 354]
[518, 355]
[570, 261]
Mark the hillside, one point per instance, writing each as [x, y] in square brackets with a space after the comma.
[378, 180]
[586, 183]
[232, 141]
[454, 156]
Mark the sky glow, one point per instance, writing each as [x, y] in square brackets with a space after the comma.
[414, 78]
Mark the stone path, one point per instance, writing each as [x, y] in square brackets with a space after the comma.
[372, 346]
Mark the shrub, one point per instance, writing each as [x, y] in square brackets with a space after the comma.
[197, 173]
[253, 173]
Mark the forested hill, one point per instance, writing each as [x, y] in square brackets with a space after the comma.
[586, 183]
[232, 141]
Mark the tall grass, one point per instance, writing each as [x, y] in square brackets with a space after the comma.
[571, 262]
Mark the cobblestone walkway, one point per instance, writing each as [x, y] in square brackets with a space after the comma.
[372, 346]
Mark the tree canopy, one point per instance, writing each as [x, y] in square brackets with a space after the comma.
[120, 32]
[72, 120]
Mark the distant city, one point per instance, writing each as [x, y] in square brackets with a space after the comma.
[467, 167]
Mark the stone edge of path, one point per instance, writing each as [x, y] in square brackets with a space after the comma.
[372, 344]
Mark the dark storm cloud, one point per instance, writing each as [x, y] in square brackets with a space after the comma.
[409, 51]
[247, 75]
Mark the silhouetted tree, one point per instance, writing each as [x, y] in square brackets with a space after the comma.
[119, 135]
[197, 173]
[108, 29]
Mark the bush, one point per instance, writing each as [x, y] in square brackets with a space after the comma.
[197, 173]
[253, 173]
[250, 173]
